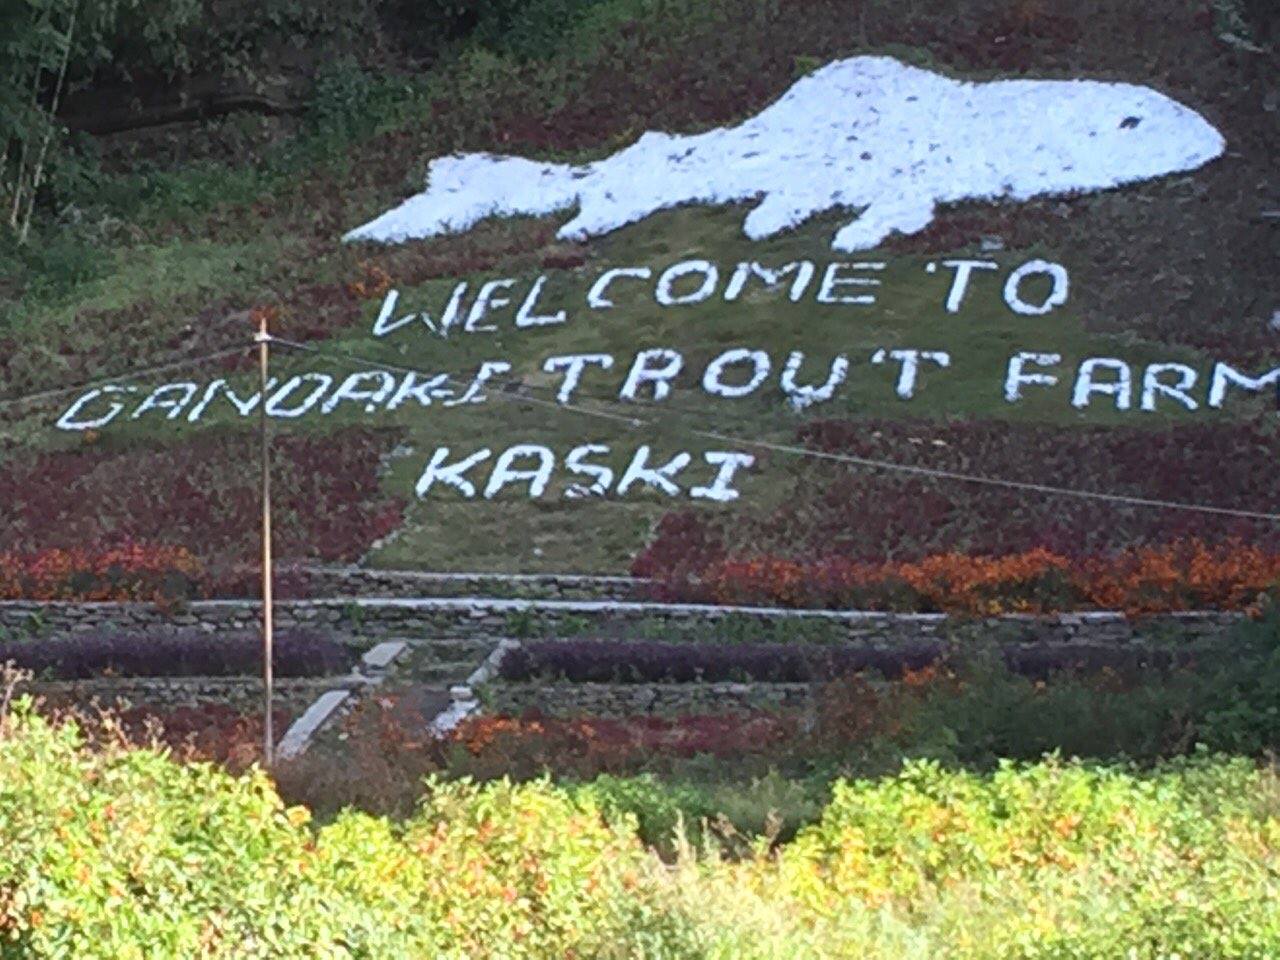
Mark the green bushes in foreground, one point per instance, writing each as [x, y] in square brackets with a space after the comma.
[115, 852]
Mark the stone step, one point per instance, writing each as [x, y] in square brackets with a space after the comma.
[416, 704]
[451, 648]
[380, 657]
[449, 671]
[340, 581]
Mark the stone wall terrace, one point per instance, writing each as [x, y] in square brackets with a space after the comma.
[367, 620]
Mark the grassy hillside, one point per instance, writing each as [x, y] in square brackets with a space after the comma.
[151, 256]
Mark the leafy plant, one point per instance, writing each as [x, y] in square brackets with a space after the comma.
[522, 622]
[613, 661]
[137, 572]
[871, 516]
[329, 504]
[176, 653]
[114, 851]
[1183, 575]
[154, 850]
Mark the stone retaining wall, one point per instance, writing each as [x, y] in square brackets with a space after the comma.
[241, 693]
[368, 620]
[320, 581]
[639, 699]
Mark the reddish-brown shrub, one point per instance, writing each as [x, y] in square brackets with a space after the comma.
[873, 516]
[132, 571]
[1186, 575]
[204, 493]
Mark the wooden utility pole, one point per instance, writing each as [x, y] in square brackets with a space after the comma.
[268, 632]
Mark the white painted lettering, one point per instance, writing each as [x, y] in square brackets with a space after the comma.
[504, 474]
[159, 399]
[349, 389]
[247, 406]
[70, 420]
[710, 277]
[573, 364]
[1056, 272]
[801, 397]
[803, 269]
[713, 383]
[960, 279]
[659, 478]
[658, 366]
[831, 281]
[1224, 376]
[424, 391]
[488, 369]
[576, 463]
[1086, 386]
[451, 475]
[1015, 379]
[1153, 386]
[721, 489]
[489, 299]
[275, 403]
[525, 316]
[910, 360]
[596, 298]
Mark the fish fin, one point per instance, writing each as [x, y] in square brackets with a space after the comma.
[598, 215]
[905, 215]
[778, 211]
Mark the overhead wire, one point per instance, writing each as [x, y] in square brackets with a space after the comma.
[809, 453]
[634, 420]
[125, 375]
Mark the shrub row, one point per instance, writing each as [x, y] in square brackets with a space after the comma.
[114, 853]
[626, 661]
[486, 736]
[175, 654]
[132, 572]
[647, 661]
[976, 709]
[1186, 575]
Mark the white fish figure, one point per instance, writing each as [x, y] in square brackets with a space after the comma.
[867, 134]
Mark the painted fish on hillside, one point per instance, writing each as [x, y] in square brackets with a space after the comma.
[866, 134]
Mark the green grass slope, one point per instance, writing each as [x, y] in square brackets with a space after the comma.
[154, 261]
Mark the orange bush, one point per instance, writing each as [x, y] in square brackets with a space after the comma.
[137, 572]
[1185, 575]
[373, 282]
[479, 733]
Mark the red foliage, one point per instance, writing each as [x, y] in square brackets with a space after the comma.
[684, 546]
[133, 571]
[213, 733]
[613, 743]
[203, 733]
[874, 516]
[204, 493]
[1181, 576]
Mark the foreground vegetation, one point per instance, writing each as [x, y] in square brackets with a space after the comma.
[893, 825]
[117, 852]
[730, 775]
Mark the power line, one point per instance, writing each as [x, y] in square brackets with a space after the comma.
[397, 368]
[990, 481]
[805, 452]
[127, 375]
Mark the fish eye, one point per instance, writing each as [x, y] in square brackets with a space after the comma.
[1128, 123]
